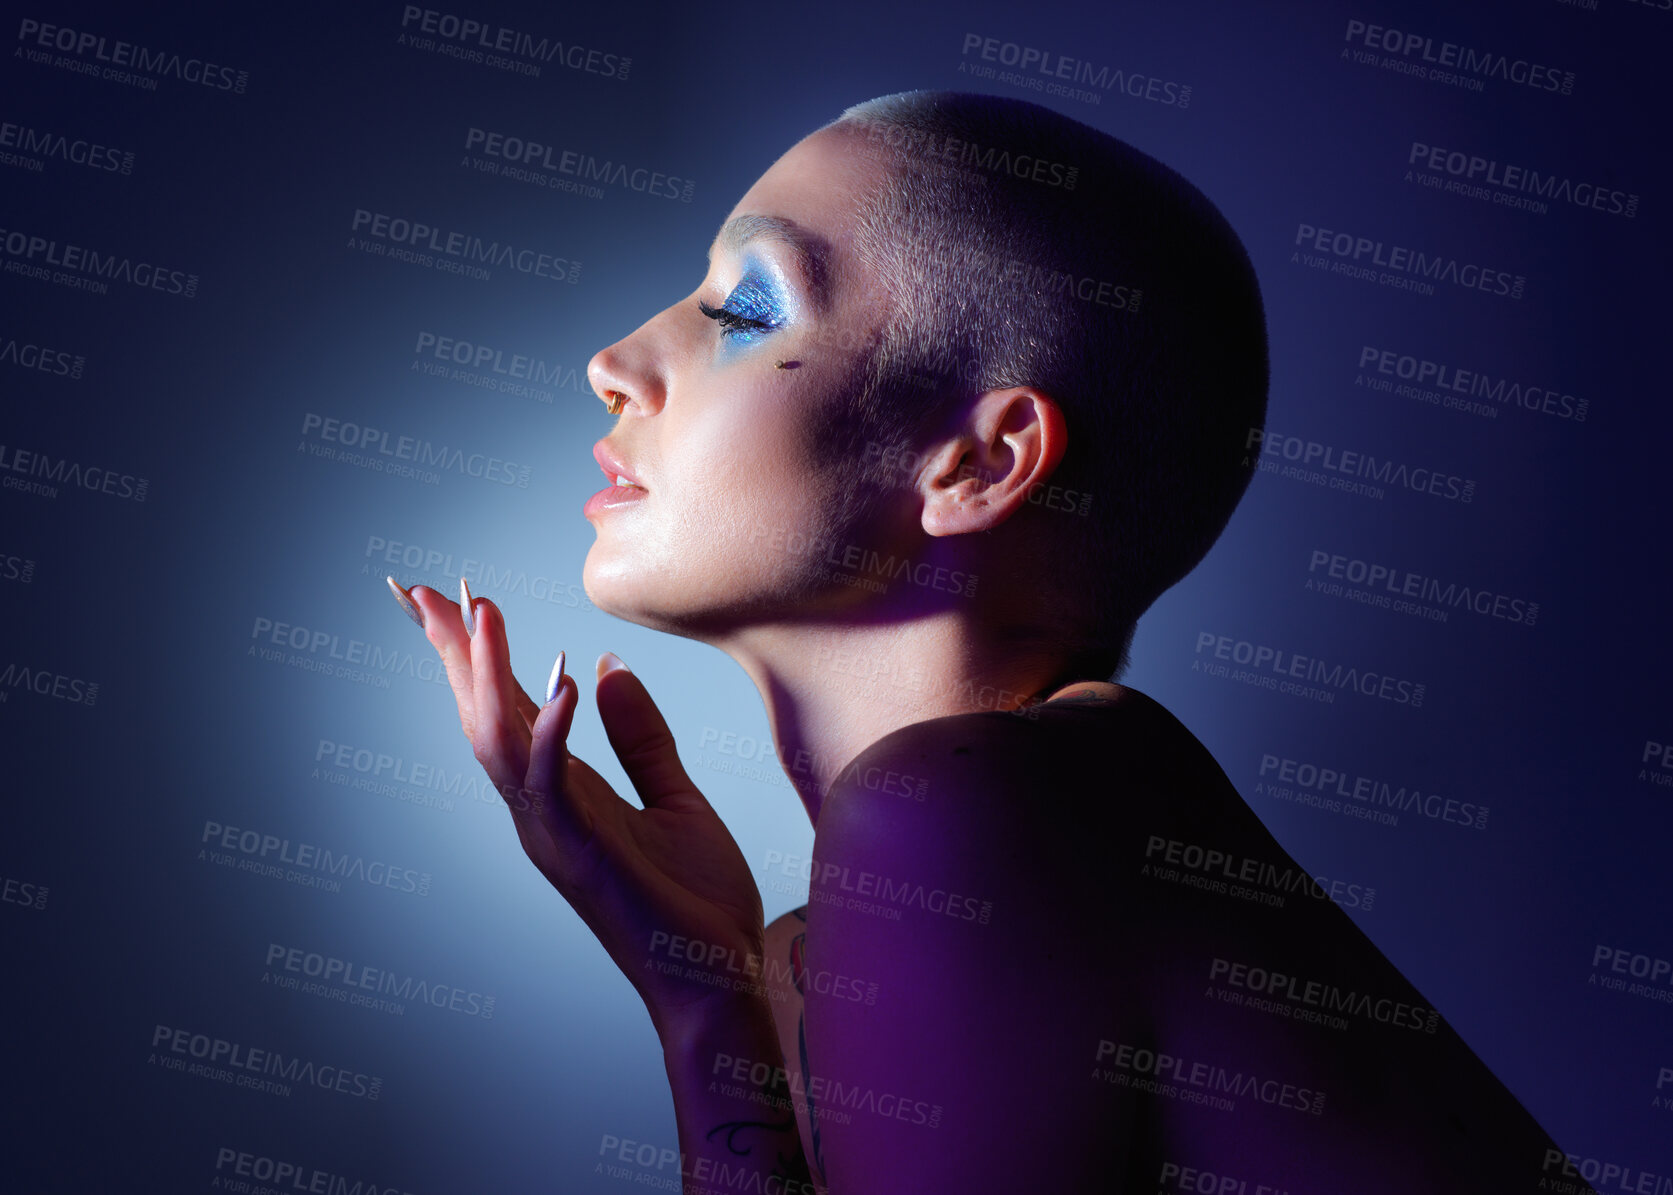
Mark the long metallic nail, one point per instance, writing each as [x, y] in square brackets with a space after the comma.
[465, 604]
[407, 604]
[609, 662]
[555, 680]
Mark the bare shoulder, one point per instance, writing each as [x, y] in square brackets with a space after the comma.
[1096, 761]
[940, 883]
[1097, 852]
[1038, 829]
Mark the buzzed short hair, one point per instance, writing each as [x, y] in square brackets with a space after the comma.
[1021, 247]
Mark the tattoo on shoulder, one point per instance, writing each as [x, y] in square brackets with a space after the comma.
[1081, 697]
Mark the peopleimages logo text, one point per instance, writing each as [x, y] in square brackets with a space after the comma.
[1484, 64]
[486, 37]
[1363, 253]
[418, 236]
[1275, 660]
[137, 58]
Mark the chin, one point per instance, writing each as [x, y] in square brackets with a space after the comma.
[608, 583]
[682, 603]
[617, 588]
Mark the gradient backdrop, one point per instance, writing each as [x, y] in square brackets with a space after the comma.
[204, 672]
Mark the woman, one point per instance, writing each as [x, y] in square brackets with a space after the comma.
[967, 385]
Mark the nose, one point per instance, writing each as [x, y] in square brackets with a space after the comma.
[628, 374]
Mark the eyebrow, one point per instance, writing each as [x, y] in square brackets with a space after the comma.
[810, 252]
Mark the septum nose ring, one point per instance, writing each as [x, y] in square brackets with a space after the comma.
[614, 401]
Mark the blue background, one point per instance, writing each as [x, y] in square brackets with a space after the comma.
[159, 601]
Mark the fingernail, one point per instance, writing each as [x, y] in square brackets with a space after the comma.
[465, 604]
[555, 680]
[407, 604]
[609, 662]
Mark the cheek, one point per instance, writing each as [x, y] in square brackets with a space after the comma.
[750, 495]
[749, 452]
[765, 514]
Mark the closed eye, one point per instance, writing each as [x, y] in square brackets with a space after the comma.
[733, 324]
[756, 307]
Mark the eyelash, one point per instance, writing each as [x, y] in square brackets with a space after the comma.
[731, 323]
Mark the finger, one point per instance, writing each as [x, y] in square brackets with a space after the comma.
[500, 737]
[549, 745]
[444, 627]
[461, 641]
[640, 737]
[526, 708]
[566, 819]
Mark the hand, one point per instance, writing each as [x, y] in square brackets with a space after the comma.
[639, 878]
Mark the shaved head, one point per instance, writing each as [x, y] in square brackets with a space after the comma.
[1019, 247]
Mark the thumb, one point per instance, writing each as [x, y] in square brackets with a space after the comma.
[639, 736]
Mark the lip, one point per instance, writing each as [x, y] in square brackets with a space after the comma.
[613, 496]
[611, 462]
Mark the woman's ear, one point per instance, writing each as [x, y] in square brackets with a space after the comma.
[1009, 442]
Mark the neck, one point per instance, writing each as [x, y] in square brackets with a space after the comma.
[833, 690]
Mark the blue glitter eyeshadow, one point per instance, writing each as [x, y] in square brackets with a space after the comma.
[756, 297]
